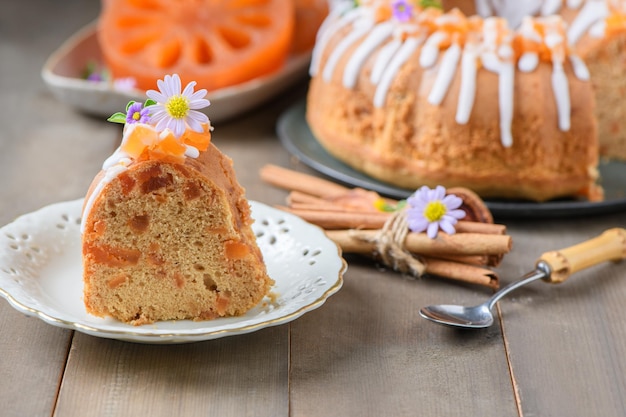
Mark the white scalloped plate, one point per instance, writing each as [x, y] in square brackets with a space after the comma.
[41, 276]
[61, 72]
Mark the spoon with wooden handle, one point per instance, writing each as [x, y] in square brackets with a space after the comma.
[553, 267]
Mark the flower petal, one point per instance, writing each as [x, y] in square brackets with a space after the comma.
[418, 225]
[178, 127]
[199, 103]
[175, 85]
[198, 116]
[188, 91]
[162, 123]
[198, 95]
[432, 230]
[451, 201]
[156, 96]
[447, 227]
[195, 125]
[440, 192]
[457, 214]
[164, 86]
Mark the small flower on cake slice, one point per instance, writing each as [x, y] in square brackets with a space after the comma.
[175, 110]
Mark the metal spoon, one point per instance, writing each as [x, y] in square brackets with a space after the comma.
[553, 267]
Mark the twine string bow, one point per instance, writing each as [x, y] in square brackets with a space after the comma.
[390, 246]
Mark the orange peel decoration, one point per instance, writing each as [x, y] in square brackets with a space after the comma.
[199, 140]
[142, 141]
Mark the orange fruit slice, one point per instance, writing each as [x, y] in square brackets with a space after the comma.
[217, 43]
[309, 15]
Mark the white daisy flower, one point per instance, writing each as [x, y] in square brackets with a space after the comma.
[431, 209]
[175, 110]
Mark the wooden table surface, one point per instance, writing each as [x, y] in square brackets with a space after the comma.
[559, 350]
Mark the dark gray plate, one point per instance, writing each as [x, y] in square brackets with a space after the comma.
[296, 137]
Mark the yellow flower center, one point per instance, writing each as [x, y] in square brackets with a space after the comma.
[136, 115]
[177, 106]
[434, 211]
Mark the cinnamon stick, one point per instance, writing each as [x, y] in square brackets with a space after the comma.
[478, 260]
[298, 197]
[343, 219]
[293, 180]
[461, 272]
[363, 241]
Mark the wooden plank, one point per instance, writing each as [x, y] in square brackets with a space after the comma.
[368, 352]
[244, 375]
[32, 359]
[40, 163]
[567, 342]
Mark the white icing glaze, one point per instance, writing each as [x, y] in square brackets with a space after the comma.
[382, 60]
[430, 50]
[580, 68]
[467, 92]
[574, 4]
[109, 175]
[589, 19]
[598, 29]
[191, 152]
[404, 52]
[592, 12]
[445, 75]
[550, 7]
[359, 30]
[528, 62]
[338, 18]
[490, 61]
[560, 86]
[377, 36]
[506, 85]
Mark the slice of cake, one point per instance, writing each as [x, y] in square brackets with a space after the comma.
[166, 231]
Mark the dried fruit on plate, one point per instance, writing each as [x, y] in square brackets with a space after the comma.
[217, 43]
[309, 16]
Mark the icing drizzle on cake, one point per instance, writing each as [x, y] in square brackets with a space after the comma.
[449, 41]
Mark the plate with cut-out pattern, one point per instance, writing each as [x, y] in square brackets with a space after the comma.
[41, 276]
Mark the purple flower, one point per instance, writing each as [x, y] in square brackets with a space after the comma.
[136, 113]
[94, 76]
[430, 210]
[402, 10]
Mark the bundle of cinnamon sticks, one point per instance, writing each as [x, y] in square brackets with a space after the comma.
[352, 217]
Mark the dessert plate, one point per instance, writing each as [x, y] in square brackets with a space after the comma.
[297, 138]
[62, 72]
[41, 276]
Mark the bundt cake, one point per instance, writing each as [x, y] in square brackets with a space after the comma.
[166, 229]
[596, 30]
[417, 96]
